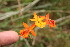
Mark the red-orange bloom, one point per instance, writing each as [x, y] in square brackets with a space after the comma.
[25, 32]
[51, 23]
[48, 21]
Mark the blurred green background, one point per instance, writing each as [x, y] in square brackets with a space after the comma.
[14, 12]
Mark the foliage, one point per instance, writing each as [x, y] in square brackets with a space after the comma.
[46, 37]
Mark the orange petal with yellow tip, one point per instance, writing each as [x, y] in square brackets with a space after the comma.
[35, 16]
[34, 13]
[47, 16]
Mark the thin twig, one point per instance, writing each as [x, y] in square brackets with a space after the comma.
[9, 14]
[60, 19]
[65, 21]
[51, 11]
[42, 6]
[27, 42]
[15, 6]
[19, 7]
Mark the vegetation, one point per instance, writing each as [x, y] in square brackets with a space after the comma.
[14, 12]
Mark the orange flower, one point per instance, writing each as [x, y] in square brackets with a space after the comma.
[25, 32]
[52, 23]
[48, 21]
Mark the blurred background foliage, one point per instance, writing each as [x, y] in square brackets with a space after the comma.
[11, 19]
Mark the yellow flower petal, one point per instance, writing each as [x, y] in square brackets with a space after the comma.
[38, 21]
[35, 16]
[33, 19]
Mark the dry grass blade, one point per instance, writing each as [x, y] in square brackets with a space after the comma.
[9, 14]
[60, 19]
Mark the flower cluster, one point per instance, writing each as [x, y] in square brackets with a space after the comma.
[28, 29]
[39, 21]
